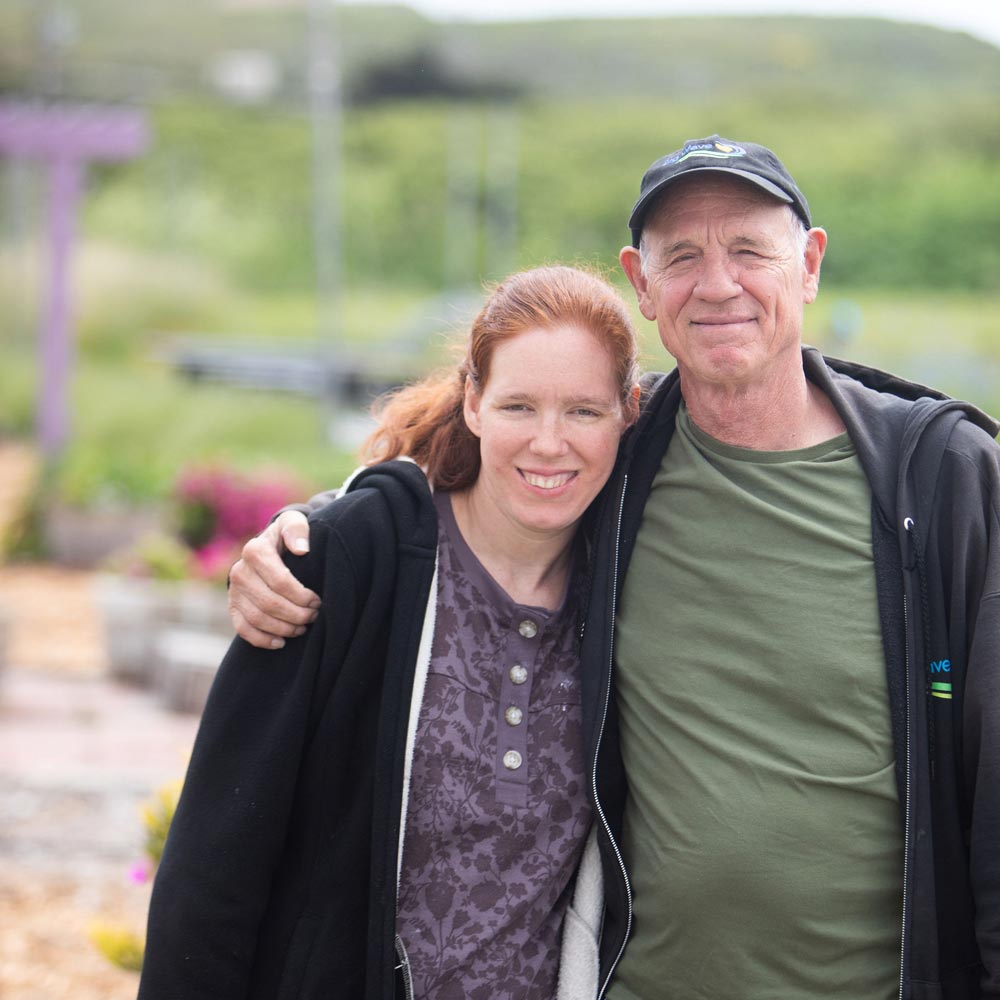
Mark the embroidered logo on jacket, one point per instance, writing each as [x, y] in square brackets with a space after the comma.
[941, 689]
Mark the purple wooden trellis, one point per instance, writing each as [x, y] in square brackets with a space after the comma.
[66, 138]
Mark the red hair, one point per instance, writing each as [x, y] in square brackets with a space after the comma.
[425, 421]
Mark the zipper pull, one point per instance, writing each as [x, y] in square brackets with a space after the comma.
[909, 527]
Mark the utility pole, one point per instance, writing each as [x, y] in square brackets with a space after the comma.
[323, 82]
[501, 194]
[324, 88]
[462, 227]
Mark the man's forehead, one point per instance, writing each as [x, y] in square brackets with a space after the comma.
[721, 199]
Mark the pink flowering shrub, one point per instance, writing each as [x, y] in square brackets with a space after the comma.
[214, 511]
[219, 509]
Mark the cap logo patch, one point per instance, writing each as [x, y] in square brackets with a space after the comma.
[717, 150]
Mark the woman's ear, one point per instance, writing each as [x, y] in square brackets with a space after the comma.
[632, 405]
[470, 407]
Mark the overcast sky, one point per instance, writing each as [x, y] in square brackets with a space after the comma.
[977, 17]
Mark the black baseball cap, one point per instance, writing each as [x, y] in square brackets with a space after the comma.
[753, 163]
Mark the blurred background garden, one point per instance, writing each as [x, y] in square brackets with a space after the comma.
[344, 200]
[315, 195]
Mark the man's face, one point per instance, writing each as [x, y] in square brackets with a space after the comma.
[725, 279]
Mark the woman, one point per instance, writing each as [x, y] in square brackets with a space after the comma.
[399, 794]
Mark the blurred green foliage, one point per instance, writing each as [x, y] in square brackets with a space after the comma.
[910, 198]
[136, 426]
[120, 945]
[157, 815]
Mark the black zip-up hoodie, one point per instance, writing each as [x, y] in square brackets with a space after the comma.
[934, 471]
[278, 879]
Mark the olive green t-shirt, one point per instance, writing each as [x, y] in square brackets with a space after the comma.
[762, 830]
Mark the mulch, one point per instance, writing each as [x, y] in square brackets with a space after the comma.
[45, 953]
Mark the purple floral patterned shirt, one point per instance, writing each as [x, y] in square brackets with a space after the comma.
[498, 811]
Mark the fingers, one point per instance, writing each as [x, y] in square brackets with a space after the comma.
[293, 529]
[263, 596]
[267, 605]
[266, 571]
[259, 615]
[254, 636]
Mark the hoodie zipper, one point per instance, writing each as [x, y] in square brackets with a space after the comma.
[600, 736]
[403, 968]
[908, 526]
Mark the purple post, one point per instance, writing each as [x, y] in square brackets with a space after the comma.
[54, 339]
[66, 138]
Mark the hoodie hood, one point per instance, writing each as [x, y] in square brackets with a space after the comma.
[887, 418]
[404, 482]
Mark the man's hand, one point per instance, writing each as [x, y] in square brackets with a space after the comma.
[266, 603]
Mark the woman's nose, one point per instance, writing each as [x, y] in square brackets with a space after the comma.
[549, 438]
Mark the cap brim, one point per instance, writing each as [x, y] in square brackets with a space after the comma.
[639, 211]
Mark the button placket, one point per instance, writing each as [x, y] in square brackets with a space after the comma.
[512, 721]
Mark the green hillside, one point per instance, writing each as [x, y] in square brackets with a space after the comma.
[160, 48]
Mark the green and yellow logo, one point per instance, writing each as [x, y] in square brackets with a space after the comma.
[941, 689]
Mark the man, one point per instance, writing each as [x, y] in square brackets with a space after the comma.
[796, 587]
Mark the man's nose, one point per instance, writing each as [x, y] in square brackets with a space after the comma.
[717, 278]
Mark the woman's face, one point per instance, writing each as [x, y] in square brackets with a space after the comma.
[549, 420]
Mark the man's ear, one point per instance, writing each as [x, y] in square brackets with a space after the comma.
[631, 264]
[470, 407]
[815, 249]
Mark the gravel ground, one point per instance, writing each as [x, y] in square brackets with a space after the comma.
[44, 950]
[79, 753]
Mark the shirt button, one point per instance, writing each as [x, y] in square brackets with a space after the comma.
[528, 629]
[513, 715]
[518, 674]
[512, 760]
